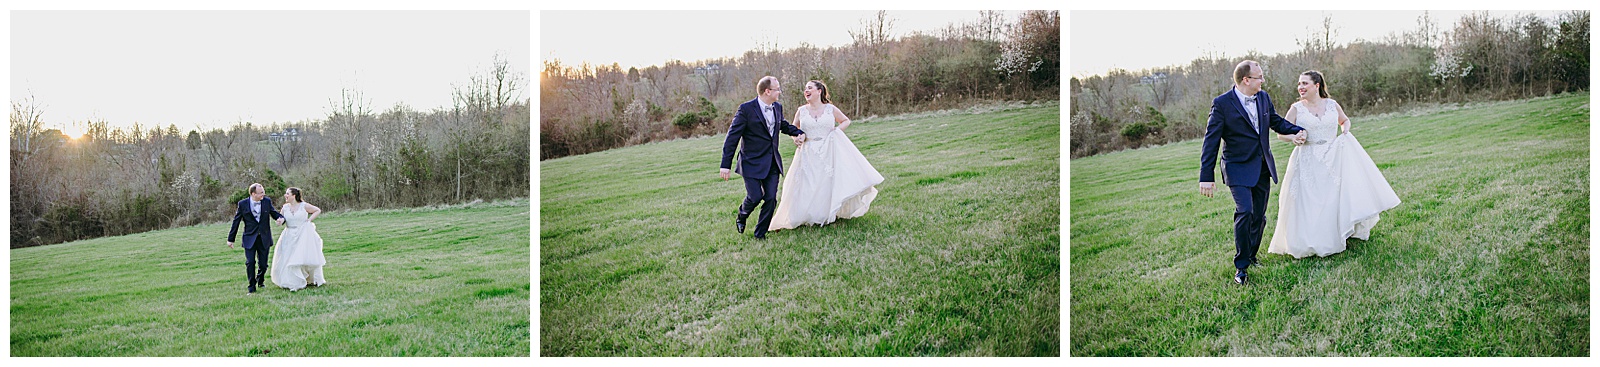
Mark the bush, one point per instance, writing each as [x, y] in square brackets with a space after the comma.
[686, 120]
[690, 120]
[1135, 131]
[654, 112]
[334, 188]
[708, 110]
[238, 194]
[210, 188]
[1157, 119]
[274, 184]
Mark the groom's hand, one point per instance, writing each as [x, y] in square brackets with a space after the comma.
[230, 245]
[1207, 187]
[724, 173]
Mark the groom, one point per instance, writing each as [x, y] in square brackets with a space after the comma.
[254, 212]
[1240, 119]
[757, 124]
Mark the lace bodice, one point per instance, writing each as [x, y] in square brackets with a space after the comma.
[1320, 129]
[816, 127]
[295, 215]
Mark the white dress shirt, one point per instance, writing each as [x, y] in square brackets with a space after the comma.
[766, 111]
[1249, 108]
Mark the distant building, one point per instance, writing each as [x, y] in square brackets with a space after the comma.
[708, 69]
[289, 134]
[1153, 78]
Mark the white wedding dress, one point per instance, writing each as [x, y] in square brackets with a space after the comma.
[297, 260]
[828, 178]
[1331, 191]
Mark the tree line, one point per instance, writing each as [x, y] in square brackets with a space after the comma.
[115, 181]
[1483, 58]
[589, 108]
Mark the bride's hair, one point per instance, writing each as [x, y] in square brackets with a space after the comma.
[1316, 77]
[824, 88]
[296, 192]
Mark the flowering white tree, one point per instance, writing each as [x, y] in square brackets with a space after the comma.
[1448, 65]
[1015, 58]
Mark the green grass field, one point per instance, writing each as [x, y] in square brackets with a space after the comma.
[449, 281]
[1487, 254]
[959, 255]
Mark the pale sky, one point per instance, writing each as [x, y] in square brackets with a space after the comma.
[1133, 40]
[212, 68]
[642, 38]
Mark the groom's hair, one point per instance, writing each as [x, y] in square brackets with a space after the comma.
[257, 187]
[765, 83]
[1243, 70]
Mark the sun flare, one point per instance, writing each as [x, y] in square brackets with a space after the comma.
[72, 132]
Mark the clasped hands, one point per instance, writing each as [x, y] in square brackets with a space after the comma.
[1298, 138]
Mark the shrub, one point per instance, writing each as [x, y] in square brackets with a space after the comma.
[1135, 131]
[686, 120]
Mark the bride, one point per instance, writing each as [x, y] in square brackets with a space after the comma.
[828, 178]
[299, 252]
[1332, 190]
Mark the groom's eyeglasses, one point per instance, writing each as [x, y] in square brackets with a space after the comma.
[1261, 78]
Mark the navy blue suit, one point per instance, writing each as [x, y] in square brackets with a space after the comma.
[257, 237]
[760, 163]
[1248, 163]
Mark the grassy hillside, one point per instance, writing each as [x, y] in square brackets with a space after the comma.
[1487, 254]
[959, 254]
[416, 282]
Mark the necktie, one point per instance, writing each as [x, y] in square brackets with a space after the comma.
[768, 115]
[1250, 109]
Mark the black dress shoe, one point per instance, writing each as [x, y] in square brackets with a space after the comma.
[761, 237]
[1255, 262]
[1241, 277]
[252, 289]
[739, 224]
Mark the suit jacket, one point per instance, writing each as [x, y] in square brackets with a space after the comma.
[759, 155]
[1246, 149]
[254, 228]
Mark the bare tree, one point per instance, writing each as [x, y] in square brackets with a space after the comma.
[289, 145]
[218, 148]
[347, 117]
[873, 34]
[1427, 32]
[506, 82]
[874, 31]
[1161, 88]
[27, 119]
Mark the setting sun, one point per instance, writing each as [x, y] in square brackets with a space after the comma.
[73, 132]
